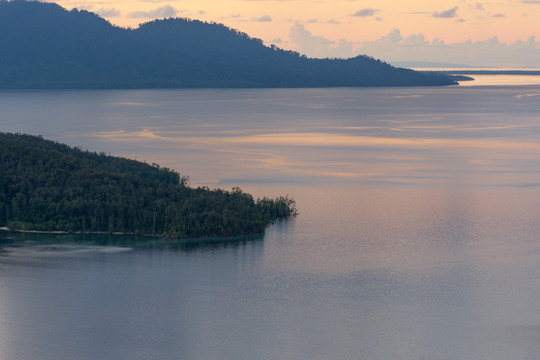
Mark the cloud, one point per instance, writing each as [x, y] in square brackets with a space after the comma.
[446, 14]
[531, 1]
[394, 37]
[333, 22]
[166, 11]
[312, 21]
[479, 6]
[415, 47]
[276, 41]
[317, 46]
[264, 18]
[107, 13]
[498, 15]
[365, 12]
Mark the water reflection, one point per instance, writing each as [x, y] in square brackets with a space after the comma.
[417, 234]
[370, 136]
[502, 80]
[30, 247]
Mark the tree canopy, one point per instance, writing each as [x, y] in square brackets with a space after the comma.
[48, 186]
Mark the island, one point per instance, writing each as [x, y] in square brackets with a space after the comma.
[45, 46]
[49, 186]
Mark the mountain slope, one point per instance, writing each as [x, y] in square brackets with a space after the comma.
[45, 46]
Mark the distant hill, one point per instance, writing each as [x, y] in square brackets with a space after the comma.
[427, 64]
[44, 46]
[48, 186]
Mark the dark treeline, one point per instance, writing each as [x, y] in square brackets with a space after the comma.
[49, 186]
[42, 45]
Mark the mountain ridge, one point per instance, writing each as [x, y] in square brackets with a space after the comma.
[46, 46]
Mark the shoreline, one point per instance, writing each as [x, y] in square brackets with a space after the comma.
[209, 238]
[6, 229]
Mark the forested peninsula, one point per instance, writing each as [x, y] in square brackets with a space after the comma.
[49, 186]
[44, 46]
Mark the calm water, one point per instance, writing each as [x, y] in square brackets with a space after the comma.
[487, 80]
[493, 80]
[418, 233]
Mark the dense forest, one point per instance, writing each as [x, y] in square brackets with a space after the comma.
[49, 186]
[44, 46]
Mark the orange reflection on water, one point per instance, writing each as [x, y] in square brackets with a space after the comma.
[324, 140]
[376, 158]
[327, 139]
[498, 80]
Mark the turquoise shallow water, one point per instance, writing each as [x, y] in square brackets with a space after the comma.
[417, 236]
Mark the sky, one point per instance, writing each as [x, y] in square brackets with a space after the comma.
[499, 33]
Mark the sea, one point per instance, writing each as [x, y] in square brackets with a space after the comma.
[417, 235]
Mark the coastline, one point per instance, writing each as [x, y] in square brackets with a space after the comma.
[208, 238]
[6, 229]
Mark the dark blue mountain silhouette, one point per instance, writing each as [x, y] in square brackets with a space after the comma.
[42, 45]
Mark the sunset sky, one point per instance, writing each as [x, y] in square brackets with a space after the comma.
[503, 33]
